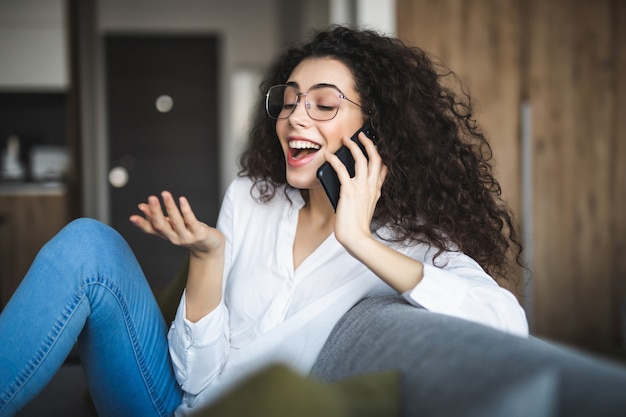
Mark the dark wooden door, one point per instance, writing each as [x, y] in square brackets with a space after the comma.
[162, 104]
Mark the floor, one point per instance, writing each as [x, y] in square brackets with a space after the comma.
[64, 396]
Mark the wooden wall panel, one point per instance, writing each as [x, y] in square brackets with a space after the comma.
[479, 41]
[569, 88]
[567, 59]
[618, 172]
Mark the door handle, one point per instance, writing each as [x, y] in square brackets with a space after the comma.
[118, 176]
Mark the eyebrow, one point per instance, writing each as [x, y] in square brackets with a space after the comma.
[318, 85]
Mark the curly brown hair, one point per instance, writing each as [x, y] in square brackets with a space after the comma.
[440, 188]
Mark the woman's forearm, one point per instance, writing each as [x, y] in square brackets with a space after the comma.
[401, 272]
[204, 284]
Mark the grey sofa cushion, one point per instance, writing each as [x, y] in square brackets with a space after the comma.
[452, 367]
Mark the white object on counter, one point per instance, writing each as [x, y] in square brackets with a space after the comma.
[12, 168]
[48, 163]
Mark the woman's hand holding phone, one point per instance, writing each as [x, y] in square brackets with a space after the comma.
[355, 210]
[359, 194]
[327, 175]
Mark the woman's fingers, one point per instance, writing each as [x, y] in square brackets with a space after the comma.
[178, 225]
[171, 226]
[157, 219]
[369, 167]
[174, 218]
[189, 217]
[376, 168]
[375, 161]
[145, 223]
[338, 166]
[141, 222]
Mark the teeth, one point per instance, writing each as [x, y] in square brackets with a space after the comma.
[303, 144]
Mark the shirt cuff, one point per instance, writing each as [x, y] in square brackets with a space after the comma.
[439, 291]
[202, 332]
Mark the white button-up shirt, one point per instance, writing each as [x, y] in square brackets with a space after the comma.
[272, 313]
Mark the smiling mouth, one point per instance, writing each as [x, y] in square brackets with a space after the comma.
[302, 148]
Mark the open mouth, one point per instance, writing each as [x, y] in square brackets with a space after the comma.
[301, 148]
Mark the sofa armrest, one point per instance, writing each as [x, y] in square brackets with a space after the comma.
[453, 367]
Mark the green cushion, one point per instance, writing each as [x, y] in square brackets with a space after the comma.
[277, 391]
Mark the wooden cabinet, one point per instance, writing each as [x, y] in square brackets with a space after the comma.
[29, 216]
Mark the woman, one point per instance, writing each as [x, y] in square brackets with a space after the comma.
[421, 217]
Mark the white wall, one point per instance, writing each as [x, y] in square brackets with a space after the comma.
[249, 28]
[379, 15]
[33, 45]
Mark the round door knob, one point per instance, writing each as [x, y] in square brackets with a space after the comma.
[118, 177]
[164, 103]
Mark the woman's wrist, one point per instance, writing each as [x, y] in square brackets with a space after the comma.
[215, 254]
[209, 252]
[355, 241]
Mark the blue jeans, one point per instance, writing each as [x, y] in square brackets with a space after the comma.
[85, 285]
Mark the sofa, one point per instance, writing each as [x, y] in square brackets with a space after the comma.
[386, 357]
[452, 367]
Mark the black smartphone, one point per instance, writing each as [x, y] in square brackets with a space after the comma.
[327, 175]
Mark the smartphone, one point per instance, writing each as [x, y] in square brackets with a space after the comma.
[327, 175]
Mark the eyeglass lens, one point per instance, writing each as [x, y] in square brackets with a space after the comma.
[322, 103]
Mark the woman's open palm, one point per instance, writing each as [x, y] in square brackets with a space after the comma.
[179, 226]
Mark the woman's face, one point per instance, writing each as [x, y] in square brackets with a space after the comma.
[303, 139]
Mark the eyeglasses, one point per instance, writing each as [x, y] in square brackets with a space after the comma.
[321, 101]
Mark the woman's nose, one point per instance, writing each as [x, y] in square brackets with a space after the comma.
[300, 113]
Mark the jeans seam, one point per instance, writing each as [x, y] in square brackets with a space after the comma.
[46, 346]
[42, 352]
[135, 343]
